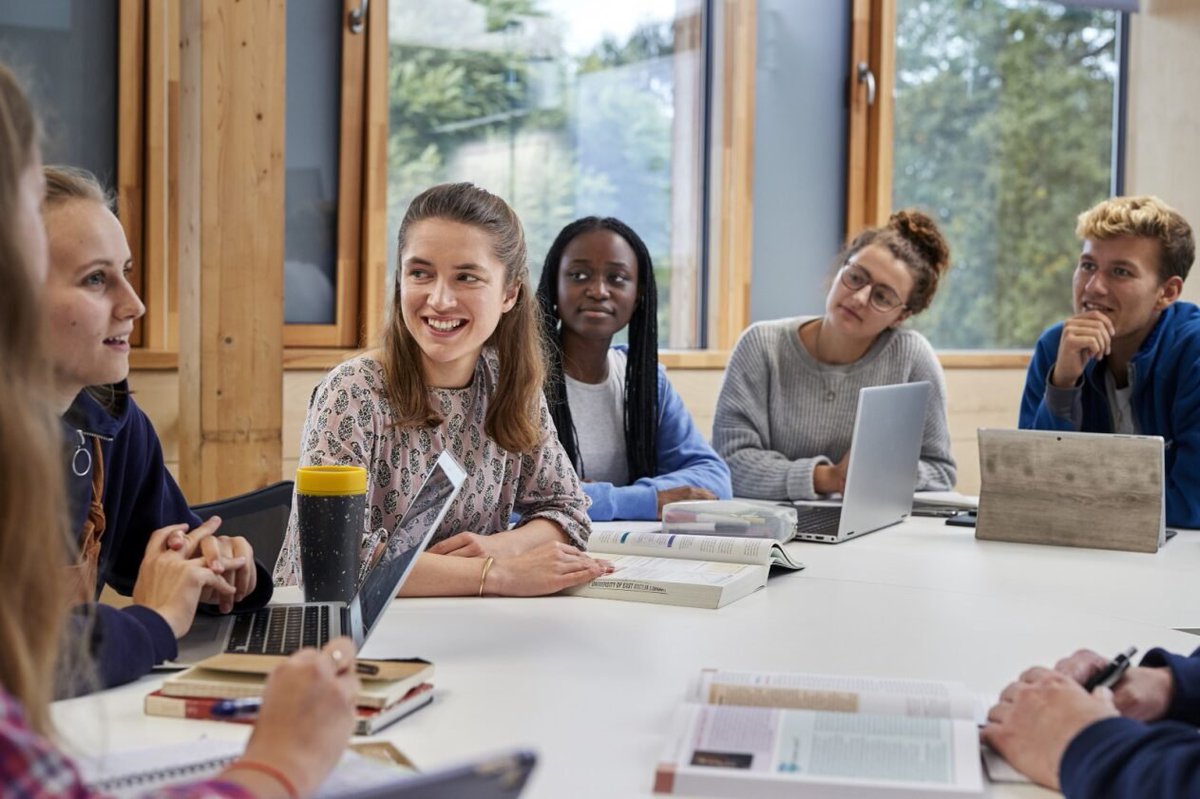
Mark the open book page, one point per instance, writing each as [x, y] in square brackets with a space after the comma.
[758, 751]
[133, 772]
[720, 549]
[875, 695]
[631, 568]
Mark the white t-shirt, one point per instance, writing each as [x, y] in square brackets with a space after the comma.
[1120, 406]
[598, 410]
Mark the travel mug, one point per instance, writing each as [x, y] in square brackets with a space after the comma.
[331, 505]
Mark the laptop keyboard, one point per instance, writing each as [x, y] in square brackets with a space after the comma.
[279, 630]
[818, 519]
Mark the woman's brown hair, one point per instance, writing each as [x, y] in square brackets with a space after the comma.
[512, 413]
[33, 527]
[913, 238]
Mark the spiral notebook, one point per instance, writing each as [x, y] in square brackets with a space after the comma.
[134, 772]
[375, 770]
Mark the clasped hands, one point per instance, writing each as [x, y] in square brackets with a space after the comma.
[1039, 714]
[182, 568]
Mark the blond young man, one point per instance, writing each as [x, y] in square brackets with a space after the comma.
[1128, 361]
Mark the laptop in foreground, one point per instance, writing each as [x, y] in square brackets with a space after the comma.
[885, 451]
[1099, 490]
[282, 629]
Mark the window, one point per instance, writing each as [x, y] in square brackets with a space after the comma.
[73, 55]
[1002, 127]
[565, 109]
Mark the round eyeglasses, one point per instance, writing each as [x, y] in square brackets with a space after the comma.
[882, 298]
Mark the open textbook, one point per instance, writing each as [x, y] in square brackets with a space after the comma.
[745, 734]
[670, 569]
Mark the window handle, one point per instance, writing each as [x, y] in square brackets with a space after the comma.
[357, 17]
[864, 74]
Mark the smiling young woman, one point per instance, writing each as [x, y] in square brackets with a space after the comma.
[460, 369]
[785, 414]
[640, 448]
[127, 513]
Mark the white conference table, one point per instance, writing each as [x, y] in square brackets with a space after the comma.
[592, 684]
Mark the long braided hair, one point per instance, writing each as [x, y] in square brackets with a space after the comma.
[641, 369]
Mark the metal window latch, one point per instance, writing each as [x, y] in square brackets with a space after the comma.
[865, 75]
[357, 18]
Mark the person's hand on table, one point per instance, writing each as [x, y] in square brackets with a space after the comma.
[680, 494]
[1038, 716]
[546, 569]
[504, 544]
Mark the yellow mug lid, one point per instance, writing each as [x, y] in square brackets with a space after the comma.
[331, 480]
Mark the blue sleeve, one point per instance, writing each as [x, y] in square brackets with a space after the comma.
[1185, 670]
[140, 496]
[1043, 407]
[157, 501]
[1117, 758]
[125, 643]
[1183, 450]
[684, 459]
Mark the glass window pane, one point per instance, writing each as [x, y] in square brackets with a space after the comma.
[314, 75]
[1004, 132]
[65, 51]
[565, 109]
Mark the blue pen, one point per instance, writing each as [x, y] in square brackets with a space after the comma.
[236, 708]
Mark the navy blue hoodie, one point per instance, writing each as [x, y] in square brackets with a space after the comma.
[1120, 757]
[140, 496]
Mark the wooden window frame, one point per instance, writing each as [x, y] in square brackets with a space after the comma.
[148, 168]
[869, 161]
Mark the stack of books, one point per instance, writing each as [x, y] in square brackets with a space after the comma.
[389, 690]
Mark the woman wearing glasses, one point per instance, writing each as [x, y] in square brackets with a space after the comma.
[786, 410]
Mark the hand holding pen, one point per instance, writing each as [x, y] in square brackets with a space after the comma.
[304, 720]
[1112, 671]
[248, 707]
[1140, 693]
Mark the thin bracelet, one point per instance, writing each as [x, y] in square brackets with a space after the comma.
[487, 566]
[266, 768]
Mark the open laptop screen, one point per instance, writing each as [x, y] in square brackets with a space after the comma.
[409, 538]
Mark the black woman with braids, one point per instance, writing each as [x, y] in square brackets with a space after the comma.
[624, 428]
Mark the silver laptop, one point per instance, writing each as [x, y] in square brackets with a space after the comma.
[885, 450]
[1098, 490]
[282, 629]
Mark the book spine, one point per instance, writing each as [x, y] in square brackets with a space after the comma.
[179, 707]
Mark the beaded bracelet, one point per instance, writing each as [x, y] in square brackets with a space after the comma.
[487, 566]
[266, 768]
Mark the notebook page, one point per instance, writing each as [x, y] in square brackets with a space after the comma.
[133, 772]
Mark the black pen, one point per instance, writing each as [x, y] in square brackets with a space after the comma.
[1112, 672]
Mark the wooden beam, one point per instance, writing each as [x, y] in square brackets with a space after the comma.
[375, 246]
[231, 180]
[730, 308]
[131, 127]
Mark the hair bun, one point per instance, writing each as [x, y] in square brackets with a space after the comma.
[922, 232]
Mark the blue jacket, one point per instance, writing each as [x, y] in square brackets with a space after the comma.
[684, 459]
[1119, 757]
[140, 496]
[1165, 375]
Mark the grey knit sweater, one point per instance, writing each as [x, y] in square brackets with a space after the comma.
[781, 412]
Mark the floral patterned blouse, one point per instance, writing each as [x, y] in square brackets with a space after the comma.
[350, 422]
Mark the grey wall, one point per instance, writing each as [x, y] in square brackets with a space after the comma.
[799, 153]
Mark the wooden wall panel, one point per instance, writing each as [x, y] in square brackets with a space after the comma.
[1164, 110]
[231, 245]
